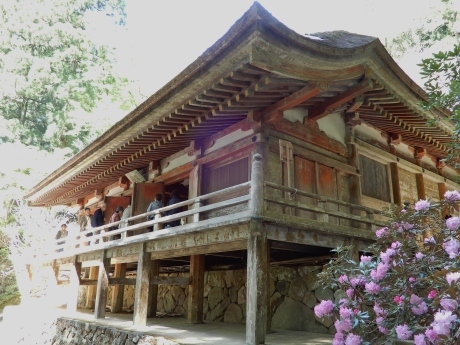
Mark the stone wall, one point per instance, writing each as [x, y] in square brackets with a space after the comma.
[293, 294]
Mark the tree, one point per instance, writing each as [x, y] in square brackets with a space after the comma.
[50, 70]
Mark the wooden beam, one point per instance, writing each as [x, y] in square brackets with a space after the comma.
[196, 289]
[274, 112]
[75, 273]
[421, 195]
[324, 109]
[102, 286]
[118, 290]
[91, 293]
[395, 183]
[357, 102]
[142, 287]
[153, 290]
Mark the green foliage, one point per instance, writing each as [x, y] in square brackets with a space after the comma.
[442, 24]
[51, 70]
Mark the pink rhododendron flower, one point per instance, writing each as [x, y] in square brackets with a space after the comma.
[403, 211]
[412, 279]
[403, 332]
[452, 248]
[452, 277]
[366, 259]
[420, 308]
[338, 339]
[429, 240]
[385, 256]
[353, 339]
[343, 325]
[449, 304]
[381, 232]
[357, 281]
[442, 322]
[382, 329]
[380, 271]
[422, 205]
[396, 245]
[419, 339]
[343, 279]
[379, 311]
[398, 299]
[345, 312]
[432, 294]
[350, 292]
[452, 195]
[324, 308]
[453, 223]
[431, 335]
[419, 256]
[372, 288]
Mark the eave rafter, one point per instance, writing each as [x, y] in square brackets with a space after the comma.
[325, 108]
[173, 134]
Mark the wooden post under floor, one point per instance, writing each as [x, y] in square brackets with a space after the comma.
[196, 289]
[142, 287]
[102, 286]
[153, 289]
[91, 293]
[257, 285]
[441, 191]
[118, 290]
[257, 261]
[75, 274]
[421, 195]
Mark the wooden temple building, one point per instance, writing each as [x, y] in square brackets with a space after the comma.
[283, 146]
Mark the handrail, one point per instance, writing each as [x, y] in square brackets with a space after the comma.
[80, 237]
[321, 198]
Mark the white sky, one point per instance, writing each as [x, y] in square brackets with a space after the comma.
[162, 37]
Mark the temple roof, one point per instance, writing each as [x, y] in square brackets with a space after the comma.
[258, 64]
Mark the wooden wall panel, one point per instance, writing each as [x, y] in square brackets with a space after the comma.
[374, 179]
[327, 186]
[343, 189]
[431, 190]
[408, 186]
[304, 174]
[274, 174]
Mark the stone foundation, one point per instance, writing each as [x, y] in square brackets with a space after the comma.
[293, 294]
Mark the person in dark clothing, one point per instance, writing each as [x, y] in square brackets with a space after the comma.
[175, 198]
[98, 219]
[116, 216]
[60, 235]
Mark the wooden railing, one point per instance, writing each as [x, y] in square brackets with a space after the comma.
[321, 210]
[77, 243]
[258, 198]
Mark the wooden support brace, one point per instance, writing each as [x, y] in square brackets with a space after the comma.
[91, 293]
[196, 289]
[142, 287]
[118, 290]
[102, 286]
[395, 183]
[75, 273]
[153, 290]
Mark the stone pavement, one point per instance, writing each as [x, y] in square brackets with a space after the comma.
[214, 333]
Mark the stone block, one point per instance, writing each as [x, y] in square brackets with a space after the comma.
[215, 296]
[233, 314]
[309, 299]
[324, 294]
[216, 279]
[283, 287]
[297, 289]
[242, 295]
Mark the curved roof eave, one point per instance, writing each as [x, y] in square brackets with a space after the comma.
[337, 48]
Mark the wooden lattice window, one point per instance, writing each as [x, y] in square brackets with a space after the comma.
[374, 179]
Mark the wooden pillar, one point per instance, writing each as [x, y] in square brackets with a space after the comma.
[118, 290]
[395, 183]
[153, 289]
[420, 187]
[194, 191]
[142, 287]
[257, 262]
[196, 289]
[102, 286]
[91, 293]
[354, 182]
[441, 191]
[56, 268]
[75, 274]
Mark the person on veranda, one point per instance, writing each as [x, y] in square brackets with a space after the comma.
[61, 234]
[116, 217]
[154, 205]
[98, 219]
[84, 221]
[175, 198]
